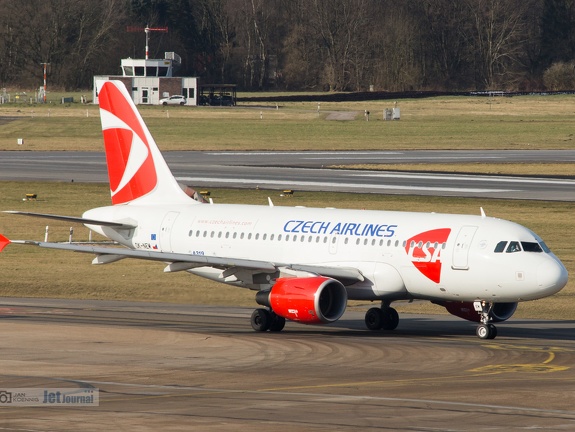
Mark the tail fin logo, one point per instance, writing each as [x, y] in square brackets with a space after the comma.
[424, 251]
[130, 164]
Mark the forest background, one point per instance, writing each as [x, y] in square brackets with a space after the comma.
[298, 45]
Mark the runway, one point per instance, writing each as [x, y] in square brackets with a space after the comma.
[309, 171]
[173, 367]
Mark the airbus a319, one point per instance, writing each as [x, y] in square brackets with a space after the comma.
[304, 264]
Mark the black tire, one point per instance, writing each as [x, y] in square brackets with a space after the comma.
[390, 318]
[278, 323]
[181, 103]
[261, 320]
[164, 103]
[492, 331]
[374, 319]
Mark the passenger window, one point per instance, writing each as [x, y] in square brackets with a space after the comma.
[513, 247]
[500, 247]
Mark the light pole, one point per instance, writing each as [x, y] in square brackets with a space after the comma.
[45, 65]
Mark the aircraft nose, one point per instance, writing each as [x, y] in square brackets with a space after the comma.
[551, 276]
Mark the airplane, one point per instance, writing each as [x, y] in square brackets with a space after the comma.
[304, 264]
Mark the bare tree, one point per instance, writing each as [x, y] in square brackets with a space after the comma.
[341, 26]
[498, 32]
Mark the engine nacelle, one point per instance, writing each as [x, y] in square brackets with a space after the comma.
[500, 312]
[309, 300]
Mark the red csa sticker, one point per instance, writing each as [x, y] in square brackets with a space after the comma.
[424, 251]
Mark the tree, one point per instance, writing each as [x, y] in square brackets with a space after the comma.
[497, 35]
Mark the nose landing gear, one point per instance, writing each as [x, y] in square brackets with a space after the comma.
[485, 330]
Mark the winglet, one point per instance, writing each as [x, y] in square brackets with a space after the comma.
[3, 242]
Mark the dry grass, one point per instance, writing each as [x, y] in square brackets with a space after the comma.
[522, 122]
[33, 272]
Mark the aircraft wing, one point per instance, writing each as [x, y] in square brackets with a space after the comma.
[179, 261]
[117, 224]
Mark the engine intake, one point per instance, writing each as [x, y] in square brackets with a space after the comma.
[310, 300]
[500, 312]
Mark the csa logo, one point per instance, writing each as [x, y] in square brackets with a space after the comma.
[424, 251]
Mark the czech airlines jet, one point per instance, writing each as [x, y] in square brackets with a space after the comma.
[306, 263]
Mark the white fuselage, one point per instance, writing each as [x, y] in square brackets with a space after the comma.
[402, 255]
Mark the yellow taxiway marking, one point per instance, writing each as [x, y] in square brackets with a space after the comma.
[543, 367]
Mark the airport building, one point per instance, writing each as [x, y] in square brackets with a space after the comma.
[152, 82]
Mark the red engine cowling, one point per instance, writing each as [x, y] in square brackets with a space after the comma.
[465, 310]
[310, 300]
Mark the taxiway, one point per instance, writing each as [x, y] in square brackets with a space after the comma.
[175, 367]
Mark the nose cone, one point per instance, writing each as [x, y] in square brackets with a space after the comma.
[551, 276]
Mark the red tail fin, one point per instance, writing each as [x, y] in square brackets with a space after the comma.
[136, 168]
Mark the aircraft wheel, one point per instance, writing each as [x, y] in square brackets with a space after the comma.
[261, 320]
[482, 331]
[278, 323]
[390, 318]
[374, 319]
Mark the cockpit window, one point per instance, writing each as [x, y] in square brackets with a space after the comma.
[513, 247]
[531, 247]
[500, 246]
[545, 247]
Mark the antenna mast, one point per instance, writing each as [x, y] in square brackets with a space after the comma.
[132, 29]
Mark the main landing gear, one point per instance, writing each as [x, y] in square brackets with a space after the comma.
[382, 318]
[265, 319]
[485, 330]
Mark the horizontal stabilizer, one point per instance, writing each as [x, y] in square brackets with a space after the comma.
[119, 225]
[3, 242]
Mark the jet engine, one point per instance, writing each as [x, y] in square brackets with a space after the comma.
[500, 312]
[309, 300]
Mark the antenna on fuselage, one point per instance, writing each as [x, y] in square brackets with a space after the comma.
[482, 212]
